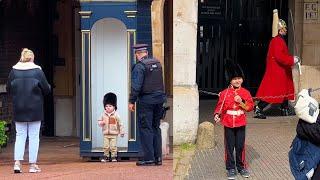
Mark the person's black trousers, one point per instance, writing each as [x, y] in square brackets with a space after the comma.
[234, 138]
[149, 116]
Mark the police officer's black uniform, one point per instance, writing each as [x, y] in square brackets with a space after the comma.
[147, 90]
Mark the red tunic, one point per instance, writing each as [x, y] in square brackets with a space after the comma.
[230, 106]
[277, 79]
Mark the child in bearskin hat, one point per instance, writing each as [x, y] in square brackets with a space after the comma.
[233, 102]
[111, 127]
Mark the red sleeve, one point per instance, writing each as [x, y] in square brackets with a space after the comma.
[248, 101]
[219, 104]
[281, 52]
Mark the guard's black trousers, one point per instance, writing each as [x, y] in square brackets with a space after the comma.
[263, 104]
[149, 116]
[234, 138]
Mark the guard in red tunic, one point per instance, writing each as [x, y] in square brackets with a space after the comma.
[232, 105]
[277, 80]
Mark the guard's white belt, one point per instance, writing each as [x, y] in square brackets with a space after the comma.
[235, 113]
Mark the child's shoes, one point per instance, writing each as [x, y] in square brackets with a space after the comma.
[244, 173]
[104, 159]
[231, 174]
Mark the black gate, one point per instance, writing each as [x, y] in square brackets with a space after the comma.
[234, 29]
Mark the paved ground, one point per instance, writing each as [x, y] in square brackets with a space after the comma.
[267, 146]
[181, 161]
[59, 162]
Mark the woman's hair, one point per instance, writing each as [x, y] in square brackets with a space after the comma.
[26, 55]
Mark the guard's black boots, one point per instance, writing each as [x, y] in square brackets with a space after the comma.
[258, 113]
[285, 112]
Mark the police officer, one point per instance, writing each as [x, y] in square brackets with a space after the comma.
[147, 90]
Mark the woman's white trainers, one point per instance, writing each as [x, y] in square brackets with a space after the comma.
[34, 168]
[17, 168]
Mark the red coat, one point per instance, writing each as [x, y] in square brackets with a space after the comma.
[230, 105]
[277, 79]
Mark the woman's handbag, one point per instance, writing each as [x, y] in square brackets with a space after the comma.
[306, 108]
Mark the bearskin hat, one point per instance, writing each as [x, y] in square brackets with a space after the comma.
[232, 70]
[110, 98]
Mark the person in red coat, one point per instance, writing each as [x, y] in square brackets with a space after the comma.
[277, 80]
[231, 107]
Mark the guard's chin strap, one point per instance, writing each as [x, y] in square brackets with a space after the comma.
[234, 87]
[282, 36]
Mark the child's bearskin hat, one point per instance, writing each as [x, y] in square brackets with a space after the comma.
[232, 70]
[110, 98]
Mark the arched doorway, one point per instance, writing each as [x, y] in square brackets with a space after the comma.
[109, 73]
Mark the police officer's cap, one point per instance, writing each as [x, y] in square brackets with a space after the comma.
[140, 47]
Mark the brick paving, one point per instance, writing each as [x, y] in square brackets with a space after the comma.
[267, 146]
[57, 162]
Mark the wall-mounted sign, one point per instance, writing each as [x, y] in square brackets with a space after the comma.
[211, 11]
[311, 13]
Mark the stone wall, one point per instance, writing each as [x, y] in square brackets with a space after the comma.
[310, 79]
[311, 32]
[307, 34]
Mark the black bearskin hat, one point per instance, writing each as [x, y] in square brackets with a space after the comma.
[110, 98]
[232, 70]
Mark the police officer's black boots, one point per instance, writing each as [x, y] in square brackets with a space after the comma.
[145, 163]
[258, 113]
[158, 161]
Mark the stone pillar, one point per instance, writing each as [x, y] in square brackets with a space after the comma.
[157, 30]
[205, 137]
[307, 23]
[185, 89]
